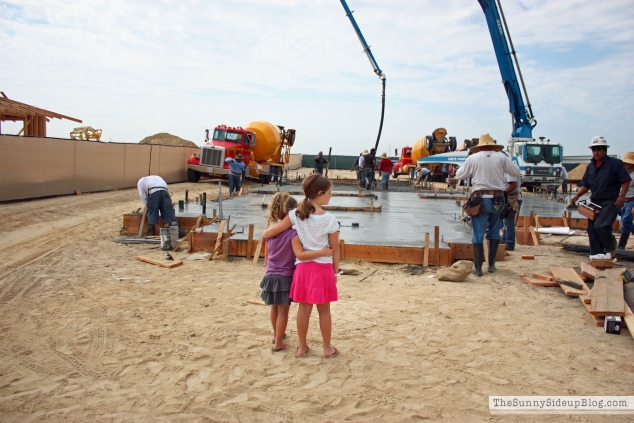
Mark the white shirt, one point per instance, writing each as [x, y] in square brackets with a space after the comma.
[361, 162]
[486, 170]
[518, 189]
[630, 191]
[313, 233]
[564, 172]
[150, 184]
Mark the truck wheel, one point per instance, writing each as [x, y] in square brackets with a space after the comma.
[394, 175]
[264, 179]
[453, 144]
[412, 173]
[429, 144]
[193, 175]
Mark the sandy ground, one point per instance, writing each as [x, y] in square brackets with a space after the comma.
[182, 344]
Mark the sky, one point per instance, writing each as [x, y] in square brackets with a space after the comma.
[135, 68]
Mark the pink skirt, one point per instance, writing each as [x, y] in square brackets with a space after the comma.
[314, 283]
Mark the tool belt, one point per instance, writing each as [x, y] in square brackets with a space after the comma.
[493, 192]
[473, 206]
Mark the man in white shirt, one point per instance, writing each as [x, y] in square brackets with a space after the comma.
[486, 167]
[564, 184]
[361, 168]
[153, 193]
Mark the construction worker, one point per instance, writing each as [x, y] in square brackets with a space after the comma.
[320, 161]
[153, 193]
[362, 168]
[627, 211]
[486, 168]
[425, 175]
[385, 166]
[236, 167]
[564, 183]
[369, 166]
[514, 198]
[609, 182]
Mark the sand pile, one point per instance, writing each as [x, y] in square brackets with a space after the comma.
[163, 138]
[577, 173]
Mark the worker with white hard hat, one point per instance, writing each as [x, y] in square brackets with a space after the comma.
[609, 181]
[627, 211]
[486, 168]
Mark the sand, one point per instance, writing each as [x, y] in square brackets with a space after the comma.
[163, 138]
[183, 345]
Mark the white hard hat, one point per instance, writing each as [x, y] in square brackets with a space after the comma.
[598, 142]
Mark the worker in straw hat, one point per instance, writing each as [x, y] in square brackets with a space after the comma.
[609, 181]
[361, 168]
[236, 167]
[627, 211]
[385, 166]
[486, 168]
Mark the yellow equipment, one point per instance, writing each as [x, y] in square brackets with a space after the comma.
[272, 147]
[85, 133]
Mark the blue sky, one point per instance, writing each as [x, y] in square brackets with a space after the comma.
[137, 68]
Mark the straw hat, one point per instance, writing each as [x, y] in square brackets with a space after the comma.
[239, 158]
[629, 157]
[366, 152]
[383, 154]
[485, 141]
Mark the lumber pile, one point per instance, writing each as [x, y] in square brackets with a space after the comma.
[604, 299]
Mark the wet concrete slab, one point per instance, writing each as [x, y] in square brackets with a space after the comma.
[403, 221]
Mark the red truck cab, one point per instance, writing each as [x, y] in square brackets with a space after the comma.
[404, 160]
[225, 142]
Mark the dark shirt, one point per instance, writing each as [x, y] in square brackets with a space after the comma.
[369, 162]
[319, 162]
[604, 181]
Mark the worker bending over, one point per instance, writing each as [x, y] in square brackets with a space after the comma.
[486, 168]
[153, 193]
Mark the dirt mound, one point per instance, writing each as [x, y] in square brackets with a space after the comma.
[164, 138]
[577, 173]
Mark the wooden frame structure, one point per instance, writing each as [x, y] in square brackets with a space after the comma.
[34, 118]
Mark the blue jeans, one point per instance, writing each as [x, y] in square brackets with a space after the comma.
[160, 201]
[487, 222]
[235, 183]
[626, 218]
[385, 177]
[600, 230]
[509, 227]
[362, 178]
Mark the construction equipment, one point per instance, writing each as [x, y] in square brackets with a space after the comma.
[588, 209]
[375, 65]
[85, 133]
[265, 150]
[430, 145]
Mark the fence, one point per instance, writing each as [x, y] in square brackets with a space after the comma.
[32, 167]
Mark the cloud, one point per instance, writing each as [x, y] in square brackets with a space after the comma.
[140, 67]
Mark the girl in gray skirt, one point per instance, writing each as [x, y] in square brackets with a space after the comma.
[280, 267]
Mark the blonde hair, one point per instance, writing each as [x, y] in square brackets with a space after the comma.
[312, 186]
[280, 205]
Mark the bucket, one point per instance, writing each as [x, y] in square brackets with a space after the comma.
[169, 238]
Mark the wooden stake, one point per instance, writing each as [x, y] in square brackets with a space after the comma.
[328, 162]
[342, 250]
[240, 193]
[372, 204]
[189, 234]
[226, 252]
[536, 222]
[142, 222]
[256, 256]
[534, 235]
[221, 229]
[527, 257]
[263, 199]
[565, 221]
[250, 241]
[526, 230]
[437, 245]
[426, 254]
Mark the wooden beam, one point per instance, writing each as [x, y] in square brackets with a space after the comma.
[525, 232]
[256, 256]
[437, 245]
[158, 263]
[218, 239]
[569, 274]
[607, 297]
[426, 254]
[589, 271]
[250, 240]
[142, 222]
[534, 236]
[342, 250]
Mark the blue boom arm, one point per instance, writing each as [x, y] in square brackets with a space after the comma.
[523, 120]
[366, 47]
[375, 65]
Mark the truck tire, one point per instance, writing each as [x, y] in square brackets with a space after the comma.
[264, 179]
[394, 174]
[453, 144]
[429, 144]
[193, 175]
[412, 173]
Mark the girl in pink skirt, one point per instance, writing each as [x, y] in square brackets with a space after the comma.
[314, 281]
[280, 266]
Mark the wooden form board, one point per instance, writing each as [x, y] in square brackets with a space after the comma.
[464, 251]
[569, 274]
[607, 297]
[133, 220]
[159, 263]
[598, 320]
[589, 271]
[519, 237]
[345, 208]
[403, 255]
[572, 223]
[538, 282]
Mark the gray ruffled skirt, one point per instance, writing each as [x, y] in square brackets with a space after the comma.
[275, 289]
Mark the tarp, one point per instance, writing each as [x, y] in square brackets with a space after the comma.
[456, 157]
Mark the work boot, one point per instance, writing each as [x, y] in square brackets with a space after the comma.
[623, 241]
[182, 233]
[493, 250]
[150, 230]
[478, 258]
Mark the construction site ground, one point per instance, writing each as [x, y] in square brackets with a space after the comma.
[183, 344]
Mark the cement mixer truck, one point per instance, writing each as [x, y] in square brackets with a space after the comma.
[436, 143]
[265, 150]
